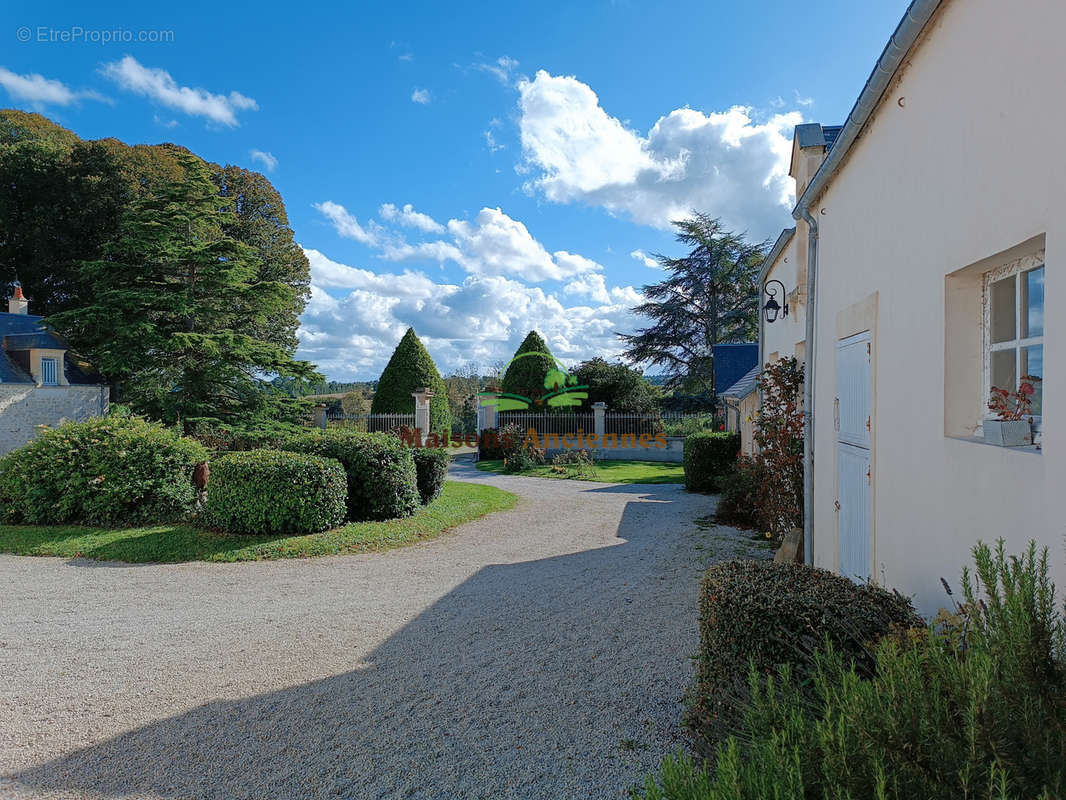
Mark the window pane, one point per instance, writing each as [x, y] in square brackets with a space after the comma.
[1033, 302]
[1033, 367]
[1003, 311]
[1002, 370]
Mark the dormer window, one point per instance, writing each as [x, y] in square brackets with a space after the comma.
[49, 372]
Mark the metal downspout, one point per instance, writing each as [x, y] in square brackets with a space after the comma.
[808, 388]
[762, 336]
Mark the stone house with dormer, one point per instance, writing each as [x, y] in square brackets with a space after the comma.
[41, 381]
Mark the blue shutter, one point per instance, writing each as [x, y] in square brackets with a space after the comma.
[49, 372]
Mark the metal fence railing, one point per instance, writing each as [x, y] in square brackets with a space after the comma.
[561, 423]
[370, 423]
[617, 422]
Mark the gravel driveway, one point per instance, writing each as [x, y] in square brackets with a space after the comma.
[537, 653]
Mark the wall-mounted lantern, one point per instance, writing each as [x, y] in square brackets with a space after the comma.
[772, 307]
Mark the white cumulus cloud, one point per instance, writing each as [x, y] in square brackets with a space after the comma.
[409, 217]
[644, 259]
[40, 91]
[496, 244]
[347, 225]
[268, 160]
[493, 243]
[724, 163]
[351, 330]
[420, 96]
[159, 86]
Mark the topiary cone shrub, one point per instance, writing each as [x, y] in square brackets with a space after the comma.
[411, 368]
[105, 471]
[525, 376]
[771, 614]
[272, 492]
[708, 457]
[382, 479]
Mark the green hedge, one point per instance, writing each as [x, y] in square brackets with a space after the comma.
[709, 456]
[495, 444]
[974, 706]
[105, 471]
[382, 480]
[268, 491]
[431, 466]
[771, 614]
[739, 503]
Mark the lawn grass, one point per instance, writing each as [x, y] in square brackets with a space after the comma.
[608, 471]
[458, 503]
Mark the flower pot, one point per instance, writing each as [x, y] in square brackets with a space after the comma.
[1008, 432]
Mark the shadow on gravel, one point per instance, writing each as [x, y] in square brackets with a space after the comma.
[555, 678]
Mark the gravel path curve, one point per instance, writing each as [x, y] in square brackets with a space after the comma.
[537, 653]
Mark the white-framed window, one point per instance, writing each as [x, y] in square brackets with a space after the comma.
[49, 372]
[1014, 327]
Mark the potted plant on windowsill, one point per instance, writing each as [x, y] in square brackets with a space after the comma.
[1013, 425]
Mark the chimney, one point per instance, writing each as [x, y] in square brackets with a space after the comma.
[17, 303]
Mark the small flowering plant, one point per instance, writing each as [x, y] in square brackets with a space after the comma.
[1009, 406]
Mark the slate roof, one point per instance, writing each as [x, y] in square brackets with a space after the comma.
[811, 134]
[21, 332]
[43, 340]
[831, 132]
[744, 386]
[731, 361]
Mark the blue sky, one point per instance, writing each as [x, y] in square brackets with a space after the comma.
[542, 148]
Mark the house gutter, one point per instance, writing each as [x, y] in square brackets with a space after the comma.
[907, 33]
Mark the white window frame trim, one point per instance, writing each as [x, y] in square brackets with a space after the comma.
[1012, 269]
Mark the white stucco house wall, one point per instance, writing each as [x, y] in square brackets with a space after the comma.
[783, 277]
[41, 381]
[939, 240]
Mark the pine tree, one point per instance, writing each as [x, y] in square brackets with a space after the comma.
[525, 376]
[411, 367]
[711, 296]
[175, 311]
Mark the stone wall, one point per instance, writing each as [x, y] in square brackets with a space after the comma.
[23, 407]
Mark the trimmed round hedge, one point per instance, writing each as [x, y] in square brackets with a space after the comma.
[767, 613]
[708, 457]
[269, 491]
[431, 466]
[382, 480]
[105, 471]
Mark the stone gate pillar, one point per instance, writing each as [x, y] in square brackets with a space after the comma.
[422, 397]
[487, 417]
[599, 419]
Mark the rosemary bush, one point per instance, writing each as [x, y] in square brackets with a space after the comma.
[971, 708]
